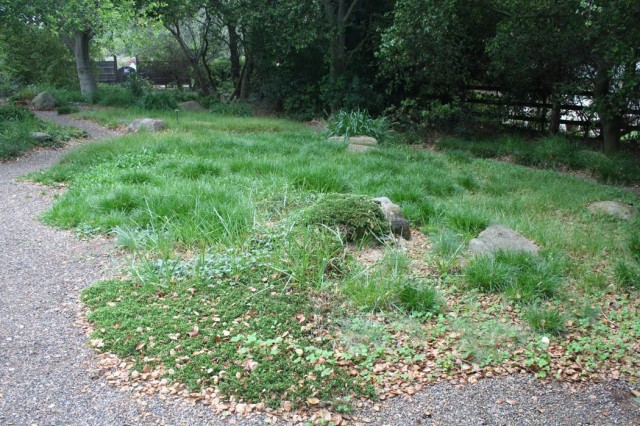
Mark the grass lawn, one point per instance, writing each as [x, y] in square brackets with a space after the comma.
[236, 296]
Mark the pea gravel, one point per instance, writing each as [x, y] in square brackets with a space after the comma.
[49, 377]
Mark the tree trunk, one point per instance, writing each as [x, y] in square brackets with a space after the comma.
[234, 54]
[610, 121]
[338, 17]
[88, 85]
[245, 81]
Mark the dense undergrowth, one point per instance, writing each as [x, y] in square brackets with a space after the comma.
[237, 286]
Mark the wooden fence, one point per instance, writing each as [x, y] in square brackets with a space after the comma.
[573, 113]
[158, 72]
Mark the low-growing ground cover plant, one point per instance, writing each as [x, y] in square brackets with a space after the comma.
[245, 288]
[16, 128]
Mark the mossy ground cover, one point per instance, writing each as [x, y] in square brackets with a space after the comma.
[235, 297]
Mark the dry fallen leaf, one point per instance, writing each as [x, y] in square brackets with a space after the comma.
[313, 401]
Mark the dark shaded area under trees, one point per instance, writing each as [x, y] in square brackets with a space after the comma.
[420, 62]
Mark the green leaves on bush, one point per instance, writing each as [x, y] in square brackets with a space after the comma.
[358, 122]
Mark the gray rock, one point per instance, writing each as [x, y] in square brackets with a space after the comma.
[338, 139]
[4, 101]
[498, 237]
[149, 124]
[191, 106]
[616, 209]
[44, 101]
[363, 140]
[360, 148]
[355, 140]
[41, 136]
[399, 224]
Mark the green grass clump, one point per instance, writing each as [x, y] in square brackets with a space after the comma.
[357, 123]
[546, 321]
[158, 100]
[628, 275]
[356, 217]
[421, 300]
[523, 277]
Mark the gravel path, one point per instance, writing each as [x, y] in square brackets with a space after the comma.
[49, 377]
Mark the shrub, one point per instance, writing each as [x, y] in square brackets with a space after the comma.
[158, 100]
[358, 122]
[15, 138]
[137, 85]
[112, 96]
[357, 217]
[548, 321]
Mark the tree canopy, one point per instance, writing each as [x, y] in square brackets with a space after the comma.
[415, 56]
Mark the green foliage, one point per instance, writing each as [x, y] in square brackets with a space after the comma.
[158, 100]
[356, 217]
[137, 85]
[16, 126]
[545, 321]
[31, 54]
[358, 122]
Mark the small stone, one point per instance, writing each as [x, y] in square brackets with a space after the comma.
[615, 209]
[399, 224]
[500, 238]
[44, 101]
[41, 137]
[191, 106]
[363, 140]
[359, 148]
[149, 124]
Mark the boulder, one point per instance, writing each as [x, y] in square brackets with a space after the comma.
[399, 224]
[44, 101]
[40, 137]
[500, 238]
[191, 106]
[355, 140]
[615, 209]
[338, 139]
[363, 140]
[359, 148]
[149, 124]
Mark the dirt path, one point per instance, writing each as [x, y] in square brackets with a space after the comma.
[49, 377]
